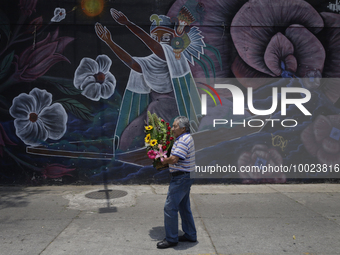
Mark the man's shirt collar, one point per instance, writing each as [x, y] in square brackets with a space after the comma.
[182, 135]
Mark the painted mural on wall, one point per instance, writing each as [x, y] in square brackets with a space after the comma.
[78, 77]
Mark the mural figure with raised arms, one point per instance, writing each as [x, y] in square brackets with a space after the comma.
[161, 82]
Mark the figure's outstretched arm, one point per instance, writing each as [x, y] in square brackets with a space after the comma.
[153, 45]
[105, 35]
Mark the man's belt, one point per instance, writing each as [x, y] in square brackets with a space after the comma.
[178, 173]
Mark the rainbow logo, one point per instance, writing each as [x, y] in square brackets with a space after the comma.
[209, 93]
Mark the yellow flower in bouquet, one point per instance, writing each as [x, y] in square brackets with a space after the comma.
[153, 142]
[148, 128]
[147, 138]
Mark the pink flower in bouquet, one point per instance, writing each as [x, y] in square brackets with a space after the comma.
[152, 154]
[161, 154]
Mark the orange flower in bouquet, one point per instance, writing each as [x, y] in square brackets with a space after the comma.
[158, 140]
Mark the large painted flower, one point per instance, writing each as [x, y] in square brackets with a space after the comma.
[260, 155]
[93, 77]
[276, 38]
[36, 61]
[36, 119]
[322, 139]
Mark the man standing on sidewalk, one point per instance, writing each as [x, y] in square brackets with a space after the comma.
[181, 163]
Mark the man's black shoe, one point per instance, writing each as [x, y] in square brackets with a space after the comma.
[165, 244]
[184, 239]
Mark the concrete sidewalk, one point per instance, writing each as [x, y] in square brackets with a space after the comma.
[230, 219]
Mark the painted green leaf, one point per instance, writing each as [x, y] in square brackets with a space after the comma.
[4, 24]
[64, 85]
[216, 53]
[76, 108]
[5, 64]
[210, 62]
[204, 67]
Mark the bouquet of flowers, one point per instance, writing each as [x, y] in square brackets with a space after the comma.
[158, 140]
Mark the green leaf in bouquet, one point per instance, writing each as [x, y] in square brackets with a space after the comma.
[154, 124]
[155, 119]
[77, 108]
[149, 117]
[151, 122]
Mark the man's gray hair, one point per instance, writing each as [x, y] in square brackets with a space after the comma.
[183, 122]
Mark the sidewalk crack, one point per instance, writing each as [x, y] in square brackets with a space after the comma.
[61, 232]
[205, 228]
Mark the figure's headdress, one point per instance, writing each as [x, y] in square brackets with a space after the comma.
[190, 43]
[185, 15]
[161, 21]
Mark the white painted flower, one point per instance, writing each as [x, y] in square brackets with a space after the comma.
[93, 77]
[59, 14]
[36, 119]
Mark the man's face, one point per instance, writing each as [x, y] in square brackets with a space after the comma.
[176, 130]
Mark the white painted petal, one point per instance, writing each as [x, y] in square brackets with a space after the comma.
[104, 63]
[22, 106]
[92, 91]
[42, 99]
[87, 81]
[108, 86]
[31, 133]
[57, 11]
[54, 118]
[87, 67]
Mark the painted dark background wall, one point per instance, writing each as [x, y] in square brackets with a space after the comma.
[41, 57]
